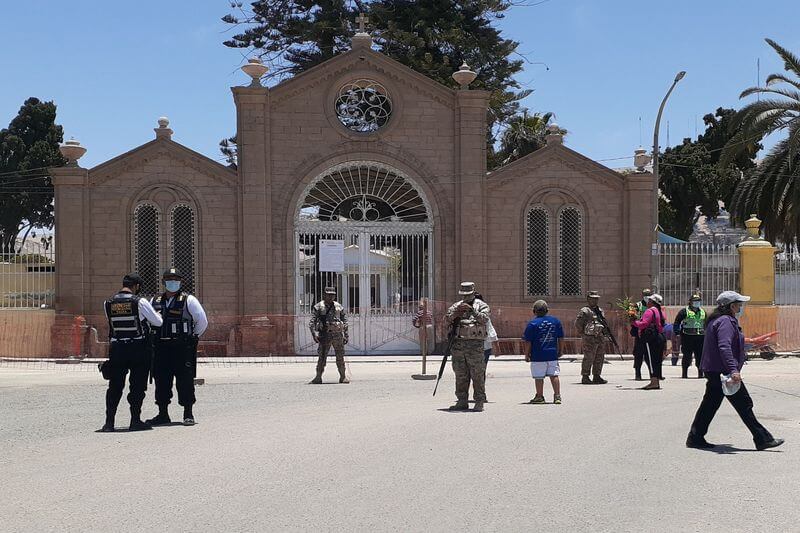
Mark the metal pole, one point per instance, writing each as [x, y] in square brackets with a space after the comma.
[654, 245]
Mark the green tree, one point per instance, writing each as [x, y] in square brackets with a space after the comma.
[432, 37]
[772, 190]
[523, 135]
[692, 179]
[28, 147]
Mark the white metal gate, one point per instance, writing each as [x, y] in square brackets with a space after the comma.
[387, 270]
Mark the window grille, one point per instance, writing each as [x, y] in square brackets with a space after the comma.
[182, 243]
[538, 258]
[570, 252]
[363, 106]
[146, 247]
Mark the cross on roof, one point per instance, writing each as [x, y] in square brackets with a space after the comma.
[362, 22]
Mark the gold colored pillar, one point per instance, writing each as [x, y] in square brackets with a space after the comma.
[757, 280]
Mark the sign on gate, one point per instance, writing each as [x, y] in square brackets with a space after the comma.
[331, 255]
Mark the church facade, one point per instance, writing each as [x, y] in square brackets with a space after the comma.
[360, 174]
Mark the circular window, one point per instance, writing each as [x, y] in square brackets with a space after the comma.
[363, 106]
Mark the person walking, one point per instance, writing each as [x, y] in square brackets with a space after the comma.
[469, 317]
[639, 349]
[545, 336]
[175, 346]
[329, 328]
[590, 325]
[129, 320]
[723, 357]
[651, 331]
[690, 325]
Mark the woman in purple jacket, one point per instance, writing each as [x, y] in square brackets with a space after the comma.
[724, 355]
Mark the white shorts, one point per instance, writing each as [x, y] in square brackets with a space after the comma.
[540, 369]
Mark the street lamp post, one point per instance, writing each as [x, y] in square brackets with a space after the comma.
[654, 246]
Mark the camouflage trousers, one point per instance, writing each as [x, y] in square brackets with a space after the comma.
[594, 355]
[469, 365]
[336, 340]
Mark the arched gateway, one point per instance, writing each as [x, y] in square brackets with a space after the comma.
[366, 229]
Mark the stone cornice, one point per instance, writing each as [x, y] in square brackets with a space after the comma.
[69, 176]
[139, 156]
[360, 59]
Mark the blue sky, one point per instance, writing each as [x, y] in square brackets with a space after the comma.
[113, 69]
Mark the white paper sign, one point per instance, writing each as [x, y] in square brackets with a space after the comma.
[331, 255]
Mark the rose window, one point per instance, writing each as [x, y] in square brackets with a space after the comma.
[363, 106]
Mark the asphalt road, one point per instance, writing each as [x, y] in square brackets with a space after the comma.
[271, 453]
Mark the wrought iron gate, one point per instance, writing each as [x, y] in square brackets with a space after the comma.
[387, 270]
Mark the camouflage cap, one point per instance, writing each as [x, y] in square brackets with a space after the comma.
[593, 294]
[467, 287]
[646, 292]
[330, 290]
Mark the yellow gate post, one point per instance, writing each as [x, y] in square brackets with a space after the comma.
[757, 280]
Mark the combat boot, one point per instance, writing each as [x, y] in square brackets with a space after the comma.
[599, 381]
[108, 427]
[586, 380]
[343, 375]
[161, 418]
[317, 379]
[459, 406]
[138, 425]
[478, 407]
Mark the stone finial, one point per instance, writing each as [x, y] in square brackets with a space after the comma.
[256, 69]
[554, 135]
[754, 238]
[464, 76]
[641, 159]
[72, 151]
[163, 130]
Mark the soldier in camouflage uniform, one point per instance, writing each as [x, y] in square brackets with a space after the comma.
[471, 314]
[329, 328]
[593, 334]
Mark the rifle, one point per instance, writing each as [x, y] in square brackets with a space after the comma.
[451, 337]
[610, 334]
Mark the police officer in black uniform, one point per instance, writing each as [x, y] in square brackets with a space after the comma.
[176, 347]
[129, 320]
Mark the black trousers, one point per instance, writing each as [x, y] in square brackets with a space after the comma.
[691, 345]
[175, 360]
[741, 401]
[652, 356]
[124, 357]
[639, 354]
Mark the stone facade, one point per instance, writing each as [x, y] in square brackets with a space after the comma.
[245, 252]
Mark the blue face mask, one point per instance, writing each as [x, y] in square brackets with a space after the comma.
[697, 304]
[172, 285]
[740, 312]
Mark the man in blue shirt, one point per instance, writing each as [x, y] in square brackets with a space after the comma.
[544, 335]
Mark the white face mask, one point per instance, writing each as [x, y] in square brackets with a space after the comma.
[172, 285]
[740, 312]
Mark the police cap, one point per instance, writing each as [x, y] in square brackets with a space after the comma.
[172, 273]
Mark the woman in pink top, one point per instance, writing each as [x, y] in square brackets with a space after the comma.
[651, 331]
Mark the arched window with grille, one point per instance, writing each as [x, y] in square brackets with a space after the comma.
[183, 243]
[146, 246]
[537, 253]
[570, 251]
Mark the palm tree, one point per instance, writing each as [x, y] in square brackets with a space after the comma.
[772, 190]
[523, 135]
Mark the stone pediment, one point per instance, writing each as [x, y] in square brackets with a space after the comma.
[563, 155]
[158, 148]
[362, 59]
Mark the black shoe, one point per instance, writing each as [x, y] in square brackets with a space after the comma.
[638, 376]
[599, 381]
[107, 427]
[138, 425]
[698, 442]
[774, 443]
[459, 407]
[478, 407]
[159, 420]
[585, 380]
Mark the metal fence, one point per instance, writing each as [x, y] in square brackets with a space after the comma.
[688, 267]
[787, 278]
[27, 274]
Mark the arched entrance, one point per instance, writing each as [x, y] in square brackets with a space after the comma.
[377, 227]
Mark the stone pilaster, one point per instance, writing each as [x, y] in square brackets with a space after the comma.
[637, 232]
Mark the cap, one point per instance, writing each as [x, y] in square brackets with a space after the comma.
[656, 298]
[330, 290]
[467, 287]
[173, 272]
[539, 306]
[729, 297]
[696, 296]
[646, 292]
[132, 278]
[593, 294]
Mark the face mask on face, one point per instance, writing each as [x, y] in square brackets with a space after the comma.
[740, 312]
[172, 285]
[697, 304]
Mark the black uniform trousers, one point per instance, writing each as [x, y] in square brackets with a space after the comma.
[691, 345]
[741, 401]
[175, 359]
[124, 357]
[639, 354]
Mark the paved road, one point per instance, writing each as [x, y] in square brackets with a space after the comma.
[271, 453]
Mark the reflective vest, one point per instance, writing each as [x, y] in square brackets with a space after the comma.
[694, 323]
[641, 307]
[178, 322]
[123, 317]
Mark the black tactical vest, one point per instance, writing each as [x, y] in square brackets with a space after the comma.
[123, 317]
[178, 322]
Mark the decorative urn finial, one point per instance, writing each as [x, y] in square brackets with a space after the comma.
[256, 69]
[72, 151]
[464, 76]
